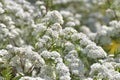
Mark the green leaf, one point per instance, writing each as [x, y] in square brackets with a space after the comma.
[6, 73]
[17, 77]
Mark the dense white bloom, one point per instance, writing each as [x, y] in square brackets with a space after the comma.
[46, 54]
[94, 51]
[63, 71]
[115, 28]
[67, 32]
[88, 79]
[116, 77]
[56, 27]
[58, 60]
[85, 41]
[52, 33]
[72, 56]
[25, 55]
[50, 55]
[104, 70]
[3, 31]
[75, 36]
[102, 36]
[46, 38]
[47, 72]
[1, 9]
[41, 43]
[14, 33]
[69, 46]
[64, 1]
[66, 14]
[55, 55]
[91, 49]
[39, 3]
[39, 28]
[3, 52]
[95, 66]
[47, 44]
[85, 30]
[30, 78]
[70, 24]
[65, 78]
[75, 64]
[99, 2]
[107, 34]
[54, 16]
[1, 78]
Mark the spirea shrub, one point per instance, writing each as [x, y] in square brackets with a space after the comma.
[59, 40]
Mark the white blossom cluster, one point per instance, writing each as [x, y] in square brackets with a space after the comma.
[64, 1]
[91, 49]
[39, 42]
[105, 70]
[72, 20]
[30, 78]
[107, 34]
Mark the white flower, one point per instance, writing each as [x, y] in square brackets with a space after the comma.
[52, 33]
[54, 55]
[66, 14]
[95, 67]
[14, 33]
[39, 3]
[1, 78]
[70, 24]
[46, 54]
[85, 41]
[113, 23]
[3, 52]
[67, 32]
[42, 7]
[104, 70]
[50, 55]
[1, 60]
[88, 79]
[65, 78]
[46, 38]
[75, 36]
[102, 36]
[116, 77]
[58, 60]
[36, 58]
[108, 65]
[72, 56]
[74, 63]
[85, 29]
[47, 72]
[56, 27]
[95, 52]
[41, 43]
[39, 28]
[69, 46]
[1, 10]
[62, 69]
[54, 16]
[30, 78]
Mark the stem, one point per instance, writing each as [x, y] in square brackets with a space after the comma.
[48, 4]
[22, 64]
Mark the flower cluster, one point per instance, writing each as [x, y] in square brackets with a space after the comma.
[44, 41]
